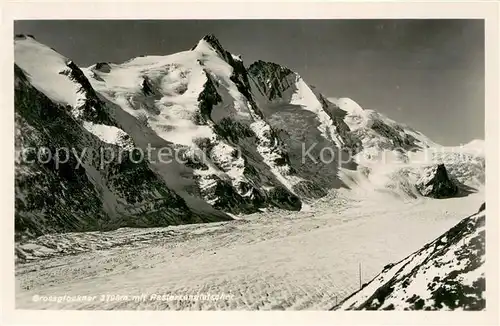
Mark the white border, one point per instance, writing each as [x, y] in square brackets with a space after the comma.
[255, 10]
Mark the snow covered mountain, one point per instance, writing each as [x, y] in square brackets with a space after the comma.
[194, 105]
[212, 138]
[313, 128]
[334, 142]
[57, 112]
[200, 101]
[377, 132]
[398, 159]
[446, 274]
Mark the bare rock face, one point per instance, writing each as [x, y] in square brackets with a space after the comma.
[23, 36]
[482, 208]
[312, 128]
[446, 274]
[102, 67]
[437, 184]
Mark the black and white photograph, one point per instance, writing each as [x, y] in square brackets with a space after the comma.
[250, 164]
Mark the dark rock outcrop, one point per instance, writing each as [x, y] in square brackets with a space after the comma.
[102, 67]
[23, 36]
[482, 208]
[207, 99]
[437, 184]
[401, 140]
[147, 88]
[93, 108]
[271, 78]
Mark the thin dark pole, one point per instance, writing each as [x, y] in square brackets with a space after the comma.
[360, 275]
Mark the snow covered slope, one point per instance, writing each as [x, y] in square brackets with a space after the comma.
[447, 273]
[377, 131]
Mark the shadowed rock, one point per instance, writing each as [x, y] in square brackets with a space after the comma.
[439, 186]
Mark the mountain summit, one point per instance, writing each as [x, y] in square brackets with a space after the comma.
[212, 40]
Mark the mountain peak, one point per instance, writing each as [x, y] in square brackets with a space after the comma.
[211, 38]
[212, 41]
[23, 36]
[269, 66]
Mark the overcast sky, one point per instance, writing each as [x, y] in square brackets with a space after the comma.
[426, 73]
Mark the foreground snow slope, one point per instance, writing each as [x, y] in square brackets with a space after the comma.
[275, 260]
[447, 273]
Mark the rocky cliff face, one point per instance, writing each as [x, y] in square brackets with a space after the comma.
[446, 274]
[437, 184]
[313, 128]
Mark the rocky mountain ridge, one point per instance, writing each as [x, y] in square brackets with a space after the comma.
[238, 139]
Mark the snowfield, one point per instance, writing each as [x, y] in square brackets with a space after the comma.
[271, 260]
